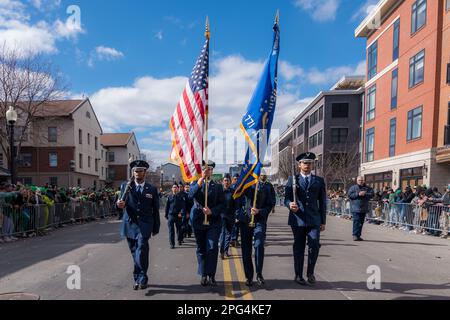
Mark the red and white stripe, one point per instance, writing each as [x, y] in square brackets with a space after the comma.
[188, 129]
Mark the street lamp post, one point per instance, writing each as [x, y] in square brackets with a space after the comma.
[11, 118]
[162, 178]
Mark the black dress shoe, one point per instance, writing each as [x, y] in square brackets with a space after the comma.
[360, 239]
[212, 282]
[172, 246]
[222, 256]
[300, 281]
[249, 283]
[260, 280]
[204, 281]
[143, 286]
[136, 286]
[311, 279]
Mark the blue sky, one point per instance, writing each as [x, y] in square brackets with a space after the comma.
[132, 57]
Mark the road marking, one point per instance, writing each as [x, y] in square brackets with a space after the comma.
[228, 280]
[246, 294]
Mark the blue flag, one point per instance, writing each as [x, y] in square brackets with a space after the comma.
[257, 121]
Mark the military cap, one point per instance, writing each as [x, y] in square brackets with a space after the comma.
[237, 176]
[211, 164]
[139, 164]
[227, 176]
[306, 157]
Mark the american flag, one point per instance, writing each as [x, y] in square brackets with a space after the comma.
[189, 119]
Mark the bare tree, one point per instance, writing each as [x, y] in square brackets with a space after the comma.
[341, 164]
[27, 82]
[285, 164]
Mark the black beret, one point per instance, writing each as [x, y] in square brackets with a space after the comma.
[139, 164]
[306, 157]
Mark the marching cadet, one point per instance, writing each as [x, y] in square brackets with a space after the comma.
[234, 242]
[269, 186]
[189, 203]
[255, 235]
[228, 217]
[307, 216]
[206, 223]
[175, 211]
[140, 203]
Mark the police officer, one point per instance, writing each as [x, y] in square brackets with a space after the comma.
[256, 235]
[175, 211]
[307, 217]
[207, 236]
[189, 203]
[140, 203]
[228, 217]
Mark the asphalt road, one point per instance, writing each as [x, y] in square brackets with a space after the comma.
[411, 266]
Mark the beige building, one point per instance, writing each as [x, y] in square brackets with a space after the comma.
[122, 148]
[66, 147]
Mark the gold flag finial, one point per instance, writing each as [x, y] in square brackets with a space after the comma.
[207, 32]
[277, 17]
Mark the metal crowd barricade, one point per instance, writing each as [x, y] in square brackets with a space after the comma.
[428, 218]
[34, 219]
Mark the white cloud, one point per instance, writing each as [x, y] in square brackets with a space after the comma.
[159, 35]
[149, 103]
[365, 9]
[320, 10]
[45, 5]
[331, 75]
[102, 53]
[17, 31]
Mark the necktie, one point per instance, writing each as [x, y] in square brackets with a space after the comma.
[307, 182]
[139, 189]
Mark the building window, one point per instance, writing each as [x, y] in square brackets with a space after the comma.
[79, 182]
[96, 143]
[392, 137]
[25, 160]
[448, 5]
[88, 114]
[414, 124]
[372, 60]
[314, 119]
[112, 174]
[412, 177]
[26, 181]
[110, 156]
[80, 159]
[89, 139]
[96, 165]
[321, 113]
[53, 181]
[370, 144]
[396, 47]
[53, 160]
[339, 135]
[418, 15]
[301, 129]
[52, 134]
[394, 89]
[371, 103]
[80, 136]
[316, 140]
[339, 110]
[416, 69]
[102, 153]
[89, 161]
[1, 159]
[380, 180]
[103, 170]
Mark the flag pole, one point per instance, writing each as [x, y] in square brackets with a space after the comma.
[206, 222]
